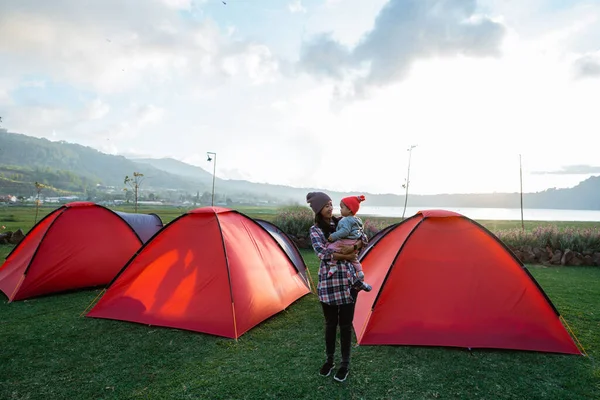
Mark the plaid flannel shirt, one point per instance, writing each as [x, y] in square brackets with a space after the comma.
[334, 290]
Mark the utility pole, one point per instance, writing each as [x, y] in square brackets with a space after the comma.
[407, 178]
[521, 179]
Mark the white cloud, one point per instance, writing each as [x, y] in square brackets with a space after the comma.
[405, 31]
[132, 124]
[34, 84]
[295, 6]
[6, 87]
[588, 66]
[332, 3]
[347, 20]
[150, 114]
[39, 120]
[279, 105]
[260, 64]
[161, 81]
[113, 54]
[256, 64]
[178, 4]
[97, 109]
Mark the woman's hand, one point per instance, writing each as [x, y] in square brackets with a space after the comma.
[346, 249]
[345, 257]
[351, 249]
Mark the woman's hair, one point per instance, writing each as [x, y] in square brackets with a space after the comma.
[324, 225]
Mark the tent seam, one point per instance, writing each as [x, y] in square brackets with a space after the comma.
[228, 275]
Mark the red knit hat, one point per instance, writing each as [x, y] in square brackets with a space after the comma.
[353, 202]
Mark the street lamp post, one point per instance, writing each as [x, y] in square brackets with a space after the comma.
[214, 157]
[407, 178]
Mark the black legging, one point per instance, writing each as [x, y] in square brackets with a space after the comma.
[341, 315]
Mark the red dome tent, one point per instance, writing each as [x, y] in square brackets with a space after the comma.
[212, 270]
[441, 279]
[78, 245]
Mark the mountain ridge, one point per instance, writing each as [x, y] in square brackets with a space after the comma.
[79, 169]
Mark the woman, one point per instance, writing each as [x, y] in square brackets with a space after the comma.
[336, 293]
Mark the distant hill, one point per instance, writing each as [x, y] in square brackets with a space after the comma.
[72, 168]
[90, 165]
[584, 196]
[227, 186]
[176, 167]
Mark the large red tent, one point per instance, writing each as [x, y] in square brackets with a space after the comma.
[441, 279]
[78, 245]
[212, 270]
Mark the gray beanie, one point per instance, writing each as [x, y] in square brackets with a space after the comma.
[317, 201]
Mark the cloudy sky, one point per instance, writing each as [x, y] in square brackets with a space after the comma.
[317, 93]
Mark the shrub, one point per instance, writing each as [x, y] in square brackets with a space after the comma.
[295, 221]
[517, 237]
[575, 239]
[372, 226]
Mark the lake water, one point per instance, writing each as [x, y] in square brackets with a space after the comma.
[529, 214]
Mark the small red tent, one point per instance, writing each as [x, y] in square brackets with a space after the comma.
[441, 279]
[78, 245]
[212, 270]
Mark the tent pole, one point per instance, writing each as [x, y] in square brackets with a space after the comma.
[234, 322]
[12, 296]
[312, 283]
[92, 303]
[573, 334]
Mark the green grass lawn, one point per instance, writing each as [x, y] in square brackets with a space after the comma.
[50, 352]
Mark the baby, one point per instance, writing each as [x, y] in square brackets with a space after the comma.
[348, 231]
